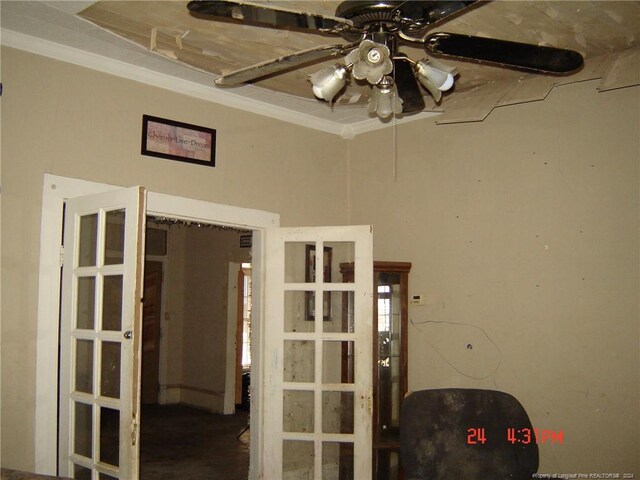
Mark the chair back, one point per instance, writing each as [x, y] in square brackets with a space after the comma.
[466, 434]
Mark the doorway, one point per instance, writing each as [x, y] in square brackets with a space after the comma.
[56, 190]
[189, 351]
[270, 437]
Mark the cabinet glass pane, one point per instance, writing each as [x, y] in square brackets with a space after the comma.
[297, 411]
[104, 476]
[395, 392]
[83, 431]
[386, 400]
[337, 364]
[388, 352]
[81, 473]
[88, 240]
[296, 315]
[337, 461]
[86, 301]
[297, 460]
[114, 238]
[299, 361]
[337, 412]
[395, 335]
[387, 464]
[112, 303]
[340, 317]
[84, 366]
[109, 436]
[110, 370]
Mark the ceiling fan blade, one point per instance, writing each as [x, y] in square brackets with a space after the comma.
[441, 10]
[408, 88]
[280, 64]
[429, 14]
[269, 15]
[504, 53]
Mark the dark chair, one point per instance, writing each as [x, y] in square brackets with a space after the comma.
[466, 434]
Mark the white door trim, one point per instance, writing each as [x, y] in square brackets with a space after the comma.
[55, 190]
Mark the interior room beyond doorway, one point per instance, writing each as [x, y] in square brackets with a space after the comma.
[189, 346]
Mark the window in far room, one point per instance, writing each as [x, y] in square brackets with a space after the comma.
[246, 315]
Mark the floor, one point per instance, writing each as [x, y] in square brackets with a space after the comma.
[6, 474]
[182, 442]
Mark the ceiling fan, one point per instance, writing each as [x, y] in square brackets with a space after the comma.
[374, 31]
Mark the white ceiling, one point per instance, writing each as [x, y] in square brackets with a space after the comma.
[605, 32]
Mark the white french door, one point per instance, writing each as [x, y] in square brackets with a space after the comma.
[313, 390]
[100, 335]
[318, 353]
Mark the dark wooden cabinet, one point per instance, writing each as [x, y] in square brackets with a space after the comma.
[390, 313]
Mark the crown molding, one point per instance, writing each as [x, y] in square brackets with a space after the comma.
[356, 128]
[65, 53]
[246, 101]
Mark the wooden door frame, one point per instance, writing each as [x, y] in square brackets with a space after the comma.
[162, 340]
[55, 190]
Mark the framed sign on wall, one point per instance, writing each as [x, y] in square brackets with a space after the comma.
[178, 141]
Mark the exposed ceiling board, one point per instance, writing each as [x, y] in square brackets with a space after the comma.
[623, 72]
[605, 32]
[220, 47]
[616, 71]
[530, 88]
[474, 105]
[215, 47]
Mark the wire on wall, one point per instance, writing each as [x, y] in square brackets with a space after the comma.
[469, 346]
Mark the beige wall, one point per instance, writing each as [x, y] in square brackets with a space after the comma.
[524, 226]
[65, 120]
[197, 309]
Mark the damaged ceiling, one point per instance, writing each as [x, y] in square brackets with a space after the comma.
[606, 33]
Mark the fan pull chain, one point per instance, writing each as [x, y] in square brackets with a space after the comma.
[395, 149]
[394, 142]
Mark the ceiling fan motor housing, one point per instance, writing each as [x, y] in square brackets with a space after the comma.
[393, 16]
[392, 13]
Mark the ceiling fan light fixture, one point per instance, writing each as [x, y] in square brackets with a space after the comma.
[437, 73]
[384, 99]
[371, 61]
[436, 77]
[328, 82]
